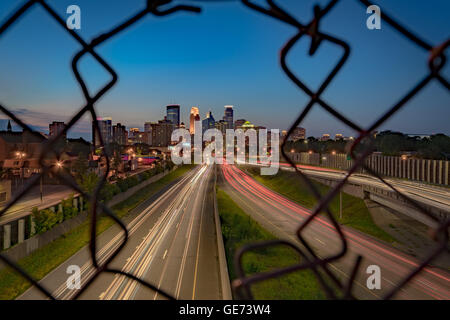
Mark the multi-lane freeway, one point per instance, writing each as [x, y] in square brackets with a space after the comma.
[282, 217]
[172, 245]
[434, 196]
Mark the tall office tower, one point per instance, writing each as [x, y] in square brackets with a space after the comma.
[119, 133]
[208, 122]
[105, 128]
[173, 114]
[56, 128]
[193, 117]
[228, 117]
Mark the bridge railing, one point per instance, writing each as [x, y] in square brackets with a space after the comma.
[421, 170]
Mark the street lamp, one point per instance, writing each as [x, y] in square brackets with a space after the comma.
[21, 155]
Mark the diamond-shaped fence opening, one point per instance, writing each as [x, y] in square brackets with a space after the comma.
[360, 149]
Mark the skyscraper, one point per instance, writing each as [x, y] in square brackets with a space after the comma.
[173, 114]
[193, 117]
[208, 122]
[228, 117]
[119, 134]
[105, 128]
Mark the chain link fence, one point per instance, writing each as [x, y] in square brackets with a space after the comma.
[360, 149]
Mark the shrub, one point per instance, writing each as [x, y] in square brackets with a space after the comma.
[170, 165]
[132, 181]
[108, 191]
[122, 185]
[46, 219]
[69, 211]
[145, 175]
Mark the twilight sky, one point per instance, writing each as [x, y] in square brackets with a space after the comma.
[228, 54]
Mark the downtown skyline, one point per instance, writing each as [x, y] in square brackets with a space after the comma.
[224, 151]
[219, 67]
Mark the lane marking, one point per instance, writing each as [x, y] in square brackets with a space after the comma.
[320, 241]
[198, 246]
[106, 250]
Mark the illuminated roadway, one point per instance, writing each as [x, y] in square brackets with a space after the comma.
[438, 197]
[282, 217]
[172, 245]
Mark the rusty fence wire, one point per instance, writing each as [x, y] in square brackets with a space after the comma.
[360, 149]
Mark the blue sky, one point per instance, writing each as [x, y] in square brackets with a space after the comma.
[225, 55]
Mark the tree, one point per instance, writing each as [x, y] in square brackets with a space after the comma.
[88, 181]
[80, 166]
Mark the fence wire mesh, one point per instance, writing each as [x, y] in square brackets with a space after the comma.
[363, 144]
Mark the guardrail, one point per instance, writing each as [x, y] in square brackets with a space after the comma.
[17, 229]
[384, 196]
[422, 170]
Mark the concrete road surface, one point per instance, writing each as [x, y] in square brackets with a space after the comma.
[282, 217]
[423, 193]
[172, 244]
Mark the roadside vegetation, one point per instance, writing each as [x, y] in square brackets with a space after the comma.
[389, 143]
[239, 229]
[45, 259]
[355, 213]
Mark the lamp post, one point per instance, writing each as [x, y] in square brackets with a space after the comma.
[21, 155]
[59, 165]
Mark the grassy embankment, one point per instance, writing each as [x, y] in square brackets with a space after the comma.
[239, 229]
[45, 259]
[354, 211]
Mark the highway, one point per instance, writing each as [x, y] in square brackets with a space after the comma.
[172, 245]
[424, 193]
[282, 217]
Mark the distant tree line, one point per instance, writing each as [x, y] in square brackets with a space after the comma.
[389, 143]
